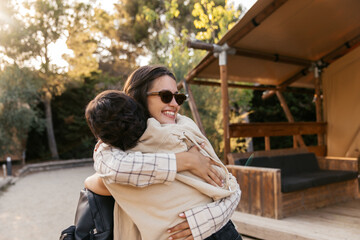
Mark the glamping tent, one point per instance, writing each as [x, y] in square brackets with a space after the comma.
[281, 45]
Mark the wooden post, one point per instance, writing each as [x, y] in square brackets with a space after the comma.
[318, 104]
[289, 116]
[193, 107]
[225, 109]
[221, 52]
[294, 142]
[267, 143]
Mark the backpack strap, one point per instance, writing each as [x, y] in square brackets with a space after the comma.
[102, 210]
[68, 233]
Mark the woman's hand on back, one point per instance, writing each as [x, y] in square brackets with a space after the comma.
[181, 231]
[199, 165]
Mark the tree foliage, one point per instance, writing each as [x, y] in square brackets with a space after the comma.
[82, 62]
[212, 20]
[18, 99]
[105, 48]
[39, 26]
[74, 137]
[301, 107]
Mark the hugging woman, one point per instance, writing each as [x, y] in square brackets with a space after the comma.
[152, 183]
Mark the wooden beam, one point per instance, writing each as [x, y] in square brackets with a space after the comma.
[341, 50]
[289, 116]
[225, 109]
[327, 59]
[272, 57]
[276, 129]
[268, 94]
[244, 86]
[231, 84]
[294, 78]
[193, 108]
[200, 67]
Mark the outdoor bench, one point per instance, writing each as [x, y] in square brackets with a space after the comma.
[279, 183]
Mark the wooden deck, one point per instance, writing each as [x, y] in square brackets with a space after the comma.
[340, 221]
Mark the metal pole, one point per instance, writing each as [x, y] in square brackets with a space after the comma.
[318, 103]
[8, 166]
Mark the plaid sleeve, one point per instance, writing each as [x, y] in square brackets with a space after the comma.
[208, 219]
[134, 168]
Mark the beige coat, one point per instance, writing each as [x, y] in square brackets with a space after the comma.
[146, 213]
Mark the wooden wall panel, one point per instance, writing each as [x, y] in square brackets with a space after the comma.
[245, 185]
[255, 192]
[262, 196]
[268, 196]
[338, 163]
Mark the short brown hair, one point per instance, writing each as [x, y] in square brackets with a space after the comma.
[116, 119]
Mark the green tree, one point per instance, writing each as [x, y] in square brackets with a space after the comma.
[74, 138]
[212, 20]
[12, 32]
[18, 97]
[81, 41]
[301, 107]
[100, 43]
[27, 38]
[117, 52]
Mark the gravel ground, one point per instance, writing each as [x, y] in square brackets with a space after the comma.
[40, 205]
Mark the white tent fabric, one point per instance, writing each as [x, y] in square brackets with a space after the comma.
[341, 84]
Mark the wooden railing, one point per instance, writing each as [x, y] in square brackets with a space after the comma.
[268, 130]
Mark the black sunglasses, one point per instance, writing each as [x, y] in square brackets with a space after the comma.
[167, 96]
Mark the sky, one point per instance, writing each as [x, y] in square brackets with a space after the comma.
[59, 48]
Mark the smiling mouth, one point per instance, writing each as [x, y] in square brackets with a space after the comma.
[169, 114]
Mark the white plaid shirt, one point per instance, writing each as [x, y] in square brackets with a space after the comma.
[140, 170]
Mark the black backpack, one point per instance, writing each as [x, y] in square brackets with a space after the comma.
[93, 220]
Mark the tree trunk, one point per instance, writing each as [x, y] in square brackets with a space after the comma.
[50, 128]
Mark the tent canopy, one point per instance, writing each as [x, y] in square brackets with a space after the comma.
[278, 41]
[280, 44]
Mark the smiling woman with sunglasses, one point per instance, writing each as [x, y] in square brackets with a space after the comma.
[154, 87]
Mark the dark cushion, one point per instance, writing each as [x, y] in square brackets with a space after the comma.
[289, 164]
[240, 161]
[256, 161]
[306, 180]
[294, 183]
[332, 176]
[296, 163]
[299, 171]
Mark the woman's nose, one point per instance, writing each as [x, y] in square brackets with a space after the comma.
[173, 102]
